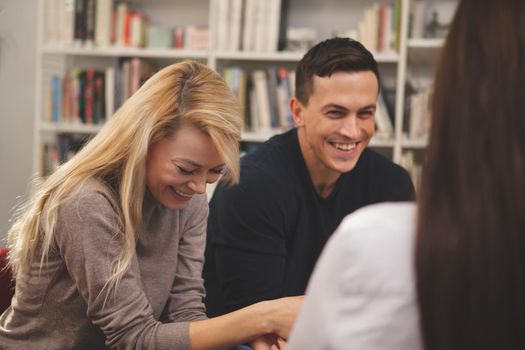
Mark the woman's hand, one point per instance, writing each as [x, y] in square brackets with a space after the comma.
[269, 342]
[281, 313]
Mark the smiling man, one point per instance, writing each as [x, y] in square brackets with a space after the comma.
[265, 235]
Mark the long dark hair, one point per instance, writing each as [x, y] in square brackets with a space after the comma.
[470, 258]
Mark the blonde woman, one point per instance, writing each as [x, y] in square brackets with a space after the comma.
[109, 250]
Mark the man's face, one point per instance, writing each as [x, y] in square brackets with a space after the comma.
[338, 121]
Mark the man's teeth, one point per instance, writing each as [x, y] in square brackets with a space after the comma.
[344, 146]
[181, 193]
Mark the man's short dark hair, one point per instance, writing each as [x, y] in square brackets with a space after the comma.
[328, 57]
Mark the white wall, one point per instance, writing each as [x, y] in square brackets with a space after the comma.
[18, 23]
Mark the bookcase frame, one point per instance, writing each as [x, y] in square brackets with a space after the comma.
[57, 59]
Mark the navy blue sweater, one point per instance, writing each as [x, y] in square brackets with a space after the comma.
[265, 234]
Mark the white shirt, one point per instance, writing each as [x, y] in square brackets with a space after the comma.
[362, 293]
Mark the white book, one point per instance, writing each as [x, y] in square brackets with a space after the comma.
[274, 17]
[419, 113]
[234, 30]
[67, 23]
[103, 23]
[53, 9]
[374, 27]
[261, 26]
[136, 30]
[260, 83]
[122, 9]
[419, 14]
[385, 129]
[222, 24]
[387, 34]
[248, 37]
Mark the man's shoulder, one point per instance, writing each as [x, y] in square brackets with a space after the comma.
[387, 180]
[274, 160]
[380, 163]
[269, 173]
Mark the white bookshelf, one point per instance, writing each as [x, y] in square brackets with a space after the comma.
[126, 52]
[326, 16]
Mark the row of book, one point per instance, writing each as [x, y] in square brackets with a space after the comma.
[251, 25]
[90, 96]
[79, 97]
[379, 30]
[104, 23]
[59, 152]
[265, 94]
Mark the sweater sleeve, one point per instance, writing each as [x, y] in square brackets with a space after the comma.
[187, 293]
[87, 239]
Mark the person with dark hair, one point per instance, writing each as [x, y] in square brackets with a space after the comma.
[265, 234]
[447, 273]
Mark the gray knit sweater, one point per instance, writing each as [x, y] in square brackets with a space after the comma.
[62, 307]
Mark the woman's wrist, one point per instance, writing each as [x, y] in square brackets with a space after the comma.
[265, 315]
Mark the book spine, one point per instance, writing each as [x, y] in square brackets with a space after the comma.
[80, 10]
[90, 23]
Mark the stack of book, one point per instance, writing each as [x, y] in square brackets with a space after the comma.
[90, 96]
[103, 23]
[251, 25]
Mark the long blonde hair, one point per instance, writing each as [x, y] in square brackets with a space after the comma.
[184, 92]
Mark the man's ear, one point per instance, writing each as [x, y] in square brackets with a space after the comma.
[297, 110]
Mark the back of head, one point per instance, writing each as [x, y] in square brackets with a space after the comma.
[470, 258]
[328, 57]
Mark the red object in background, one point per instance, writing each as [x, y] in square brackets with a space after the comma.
[7, 285]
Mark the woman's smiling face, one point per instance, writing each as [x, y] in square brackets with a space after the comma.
[181, 165]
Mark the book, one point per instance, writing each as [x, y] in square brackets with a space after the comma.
[385, 128]
[248, 37]
[89, 38]
[273, 21]
[223, 19]
[260, 83]
[109, 92]
[56, 98]
[234, 30]
[67, 22]
[103, 19]
[79, 31]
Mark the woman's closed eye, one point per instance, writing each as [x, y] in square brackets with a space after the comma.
[220, 170]
[185, 171]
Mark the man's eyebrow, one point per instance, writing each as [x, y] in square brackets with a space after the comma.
[336, 106]
[371, 106]
[333, 105]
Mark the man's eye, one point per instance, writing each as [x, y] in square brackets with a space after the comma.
[335, 113]
[184, 171]
[366, 114]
